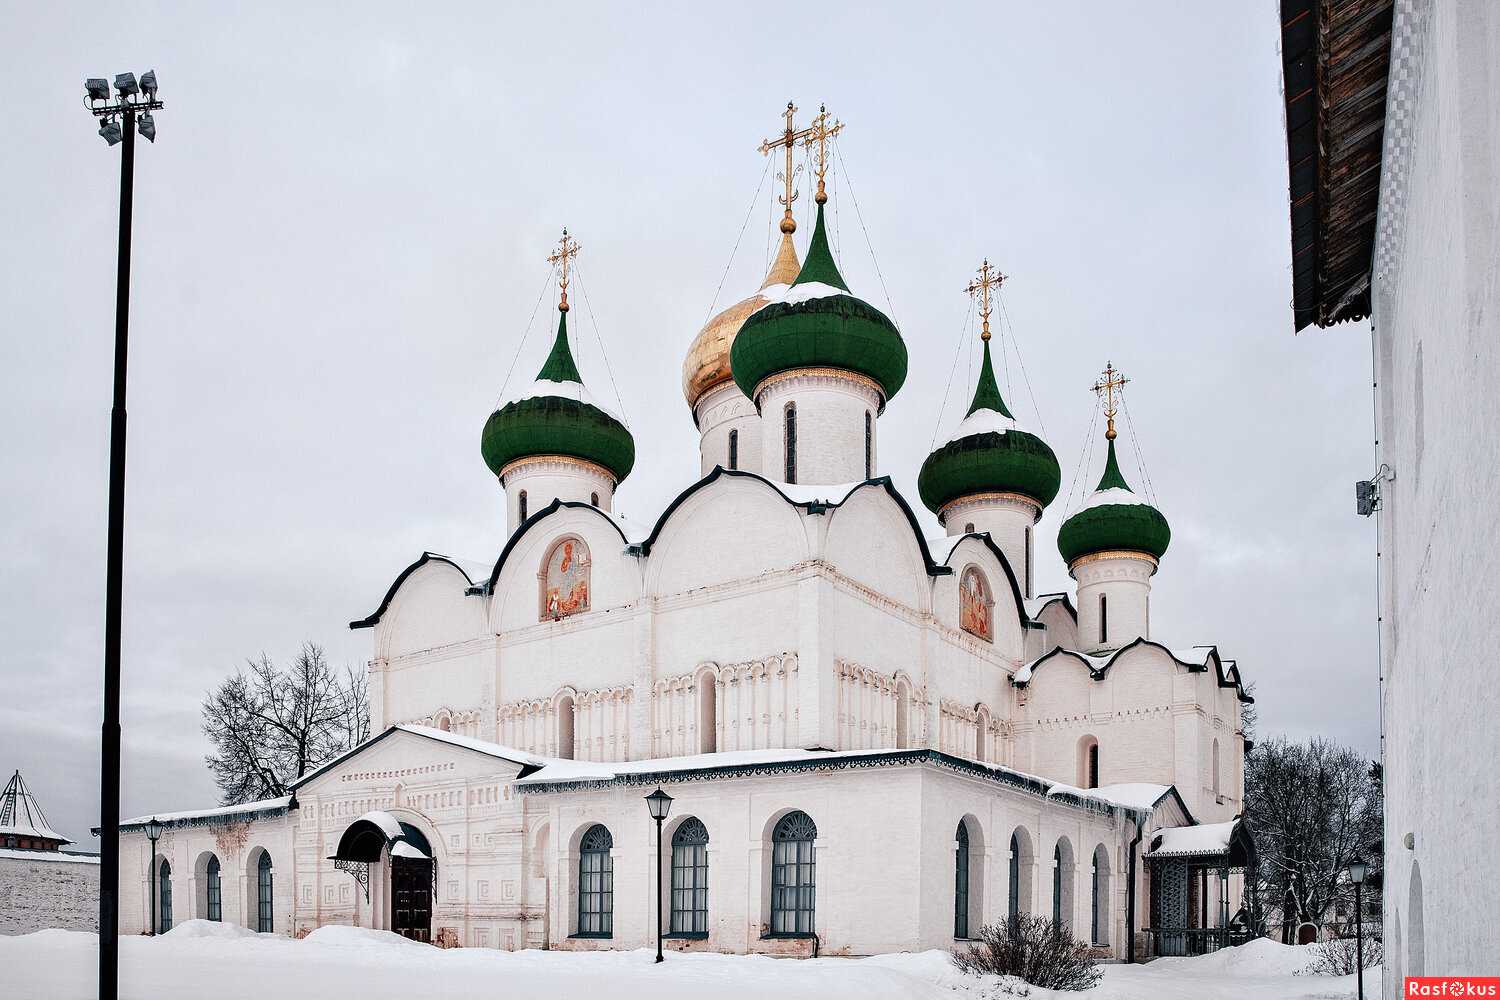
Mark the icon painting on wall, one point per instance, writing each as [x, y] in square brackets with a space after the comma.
[974, 605]
[565, 579]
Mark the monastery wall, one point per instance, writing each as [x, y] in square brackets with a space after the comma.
[44, 889]
[1437, 350]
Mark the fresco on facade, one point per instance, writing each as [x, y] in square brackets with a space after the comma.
[565, 579]
[974, 605]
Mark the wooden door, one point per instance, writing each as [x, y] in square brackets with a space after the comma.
[411, 898]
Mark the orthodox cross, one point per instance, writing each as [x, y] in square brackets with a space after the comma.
[788, 139]
[567, 249]
[819, 132]
[1106, 387]
[989, 277]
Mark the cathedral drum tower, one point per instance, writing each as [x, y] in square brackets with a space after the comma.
[1113, 546]
[990, 475]
[554, 441]
[819, 363]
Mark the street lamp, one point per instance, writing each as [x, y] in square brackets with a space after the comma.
[117, 126]
[1357, 871]
[658, 803]
[153, 834]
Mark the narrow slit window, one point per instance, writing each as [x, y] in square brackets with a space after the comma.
[791, 442]
[869, 445]
[734, 449]
[1103, 617]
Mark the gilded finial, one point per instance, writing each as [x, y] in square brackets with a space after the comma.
[567, 249]
[786, 141]
[819, 132]
[1107, 386]
[989, 277]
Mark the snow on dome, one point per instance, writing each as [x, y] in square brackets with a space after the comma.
[792, 294]
[984, 421]
[567, 390]
[1113, 495]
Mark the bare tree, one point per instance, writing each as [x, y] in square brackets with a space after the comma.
[270, 726]
[1313, 807]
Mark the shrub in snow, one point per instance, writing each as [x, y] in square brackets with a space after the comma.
[1032, 948]
[1340, 956]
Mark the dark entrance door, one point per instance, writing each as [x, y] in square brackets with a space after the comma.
[411, 898]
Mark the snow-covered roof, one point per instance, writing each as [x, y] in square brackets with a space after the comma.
[49, 856]
[1192, 657]
[1113, 495]
[567, 390]
[20, 815]
[221, 812]
[942, 547]
[1208, 839]
[804, 493]
[1036, 605]
[554, 770]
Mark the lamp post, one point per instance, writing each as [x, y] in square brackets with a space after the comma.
[659, 803]
[118, 124]
[153, 834]
[1357, 871]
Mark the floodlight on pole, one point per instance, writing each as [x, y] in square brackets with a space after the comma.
[120, 119]
[148, 84]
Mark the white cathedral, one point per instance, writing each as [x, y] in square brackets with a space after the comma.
[873, 741]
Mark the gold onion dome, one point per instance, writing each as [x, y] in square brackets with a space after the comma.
[707, 361]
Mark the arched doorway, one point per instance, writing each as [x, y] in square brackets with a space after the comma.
[408, 860]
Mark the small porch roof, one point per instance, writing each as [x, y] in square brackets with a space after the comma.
[1213, 844]
[367, 837]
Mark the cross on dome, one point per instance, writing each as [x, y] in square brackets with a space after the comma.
[1106, 387]
[988, 278]
[789, 138]
[818, 134]
[567, 249]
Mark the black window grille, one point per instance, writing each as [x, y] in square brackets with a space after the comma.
[1093, 765]
[596, 884]
[523, 505]
[1095, 931]
[1103, 617]
[793, 875]
[164, 899]
[734, 449]
[215, 890]
[263, 919]
[791, 442]
[594, 499]
[961, 883]
[690, 879]
[1014, 904]
[869, 445]
[1057, 882]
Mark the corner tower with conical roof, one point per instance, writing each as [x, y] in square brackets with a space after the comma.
[990, 475]
[1113, 546]
[554, 441]
[819, 364]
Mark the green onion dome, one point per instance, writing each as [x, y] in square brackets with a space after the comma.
[816, 323]
[556, 415]
[989, 453]
[1114, 518]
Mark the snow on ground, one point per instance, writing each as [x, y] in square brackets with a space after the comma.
[198, 959]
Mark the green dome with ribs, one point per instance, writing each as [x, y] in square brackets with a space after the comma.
[1114, 518]
[557, 416]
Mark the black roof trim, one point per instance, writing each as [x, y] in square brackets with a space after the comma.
[374, 617]
[1229, 679]
[535, 519]
[889, 758]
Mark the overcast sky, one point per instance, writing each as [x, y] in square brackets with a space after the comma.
[340, 237]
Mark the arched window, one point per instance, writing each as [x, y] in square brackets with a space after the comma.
[903, 715]
[793, 876]
[164, 898]
[596, 884]
[263, 918]
[1088, 762]
[1103, 618]
[708, 721]
[1216, 768]
[1099, 909]
[565, 712]
[869, 445]
[523, 505]
[1030, 585]
[734, 449]
[969, 528]
[690, 879]
[594, 499]
[565, 579]
[1057, 884]
[1094, 766]
[961, 881]
[1013, 906]
[215, 909]
[790, 443]
[975, 606]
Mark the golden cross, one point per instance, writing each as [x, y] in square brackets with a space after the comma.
[820, 132]
[1106, 387]
[788, 139]
[567, 249]
[989, 277]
